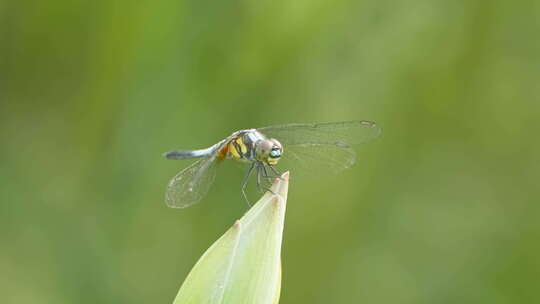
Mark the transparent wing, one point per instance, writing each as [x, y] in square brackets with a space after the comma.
[316, 158]
[341, 133]
[324, 147]
[191, 184]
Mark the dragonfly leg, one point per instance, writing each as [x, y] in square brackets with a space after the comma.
[261, 171]
[276, 174]
[245, 182]
[276, 171]
[265, 173]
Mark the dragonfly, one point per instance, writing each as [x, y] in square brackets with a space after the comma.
[327, 146]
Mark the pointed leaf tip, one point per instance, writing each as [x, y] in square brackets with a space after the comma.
[244, 265]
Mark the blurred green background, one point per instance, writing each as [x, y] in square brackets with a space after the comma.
[442, 208]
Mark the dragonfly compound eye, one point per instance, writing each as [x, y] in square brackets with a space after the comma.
[275, 153]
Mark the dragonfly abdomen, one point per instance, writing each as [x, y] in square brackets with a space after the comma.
[183, 154]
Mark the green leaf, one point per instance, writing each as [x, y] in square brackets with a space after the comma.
[244, 265]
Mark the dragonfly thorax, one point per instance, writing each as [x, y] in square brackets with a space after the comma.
[251, 146]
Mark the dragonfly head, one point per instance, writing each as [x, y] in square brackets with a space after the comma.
[269, 151]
